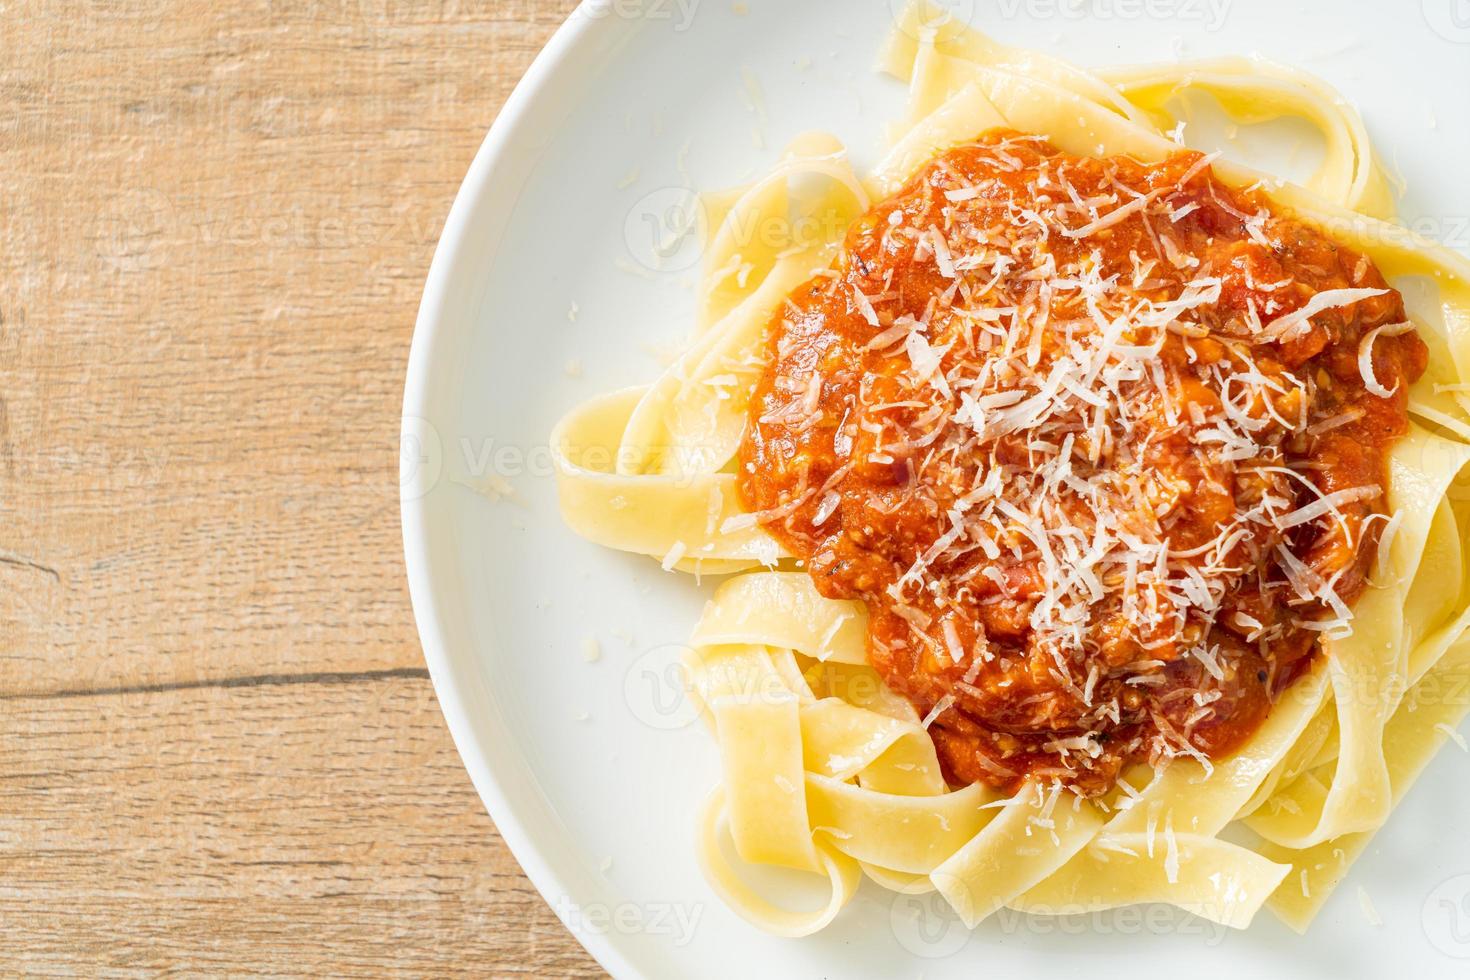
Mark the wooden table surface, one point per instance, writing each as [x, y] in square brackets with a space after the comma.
[219, 749]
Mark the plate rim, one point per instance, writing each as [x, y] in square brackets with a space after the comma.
[489, 159]
[503, 137]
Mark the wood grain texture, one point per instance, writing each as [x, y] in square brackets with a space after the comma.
[322, 827]
[221, 752]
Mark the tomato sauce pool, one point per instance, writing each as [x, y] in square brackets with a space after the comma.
[1101, 444]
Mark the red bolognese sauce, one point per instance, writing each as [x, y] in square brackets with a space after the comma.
[1101, 443]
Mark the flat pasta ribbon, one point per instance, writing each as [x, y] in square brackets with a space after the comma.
[826, 771]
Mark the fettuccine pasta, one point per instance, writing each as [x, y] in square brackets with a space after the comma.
[834, 759]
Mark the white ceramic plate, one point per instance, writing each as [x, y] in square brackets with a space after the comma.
[592, 770]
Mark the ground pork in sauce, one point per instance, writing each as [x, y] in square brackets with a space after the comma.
[1055, 420]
